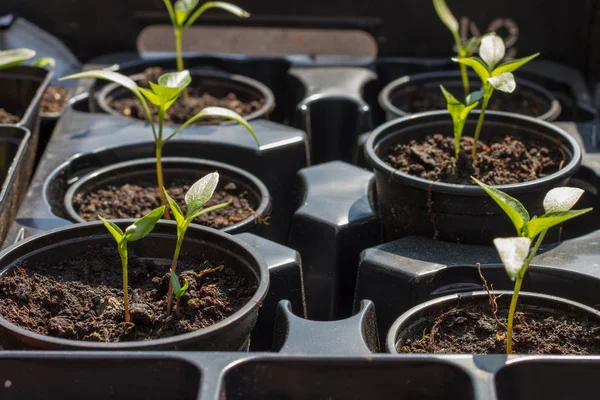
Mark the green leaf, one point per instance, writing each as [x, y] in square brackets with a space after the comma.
[174, 209]
[230, 8]
[562, 198]
[171, 12]
[10, 58]
[178, 291]
[143, 226]
[114, 230]
[446, 15]
[548, 220]
[183, 8]
[165, 94]
[217, 112]
[504, 82]
[477, 65]
[511, 206]
[179, 80]
[474, 97]
[201, 192]
[471, 45]
[44, 62]
[513, 65]
[152, 98]
[492, 50]
[209, 209]
[513, 253]
[459, 114]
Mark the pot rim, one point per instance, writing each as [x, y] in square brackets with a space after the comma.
[263, 192]
[254, 301]
[391, 127]
[385, 102]
[391, 338]
[11, 174]
[13, 73]
[267, 94]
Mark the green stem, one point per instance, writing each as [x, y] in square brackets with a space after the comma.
[159, 170]
[487, 94]
[180, 235]
[123, 254]
[465, 80]
[179, 52]
[515, 296]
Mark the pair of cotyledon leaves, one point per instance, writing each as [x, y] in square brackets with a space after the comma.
[557, 205]
[182, 15]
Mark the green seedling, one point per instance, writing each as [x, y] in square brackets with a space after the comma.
[463, 49]
[12, 58]
[459, 113]
[516, 252]
[136, 231]
[178, 291]
[162, 96]
[195, 199]
[182, 16]
[493, 76]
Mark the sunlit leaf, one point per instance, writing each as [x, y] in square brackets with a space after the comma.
[511, 206]
[143, 226]
[114, 230]
[513, 253]
[174, 208]
[10, 58]
[562, 198]
[511, 66]
[183, 8]
[44, 62]
[209, 209]
[179, 80]
[477, 65]
[492, 50]
[165, 94]
[504, 82]
[548, 220]
[230, 8]
[152, 98]
[201, 192]
[446, 15]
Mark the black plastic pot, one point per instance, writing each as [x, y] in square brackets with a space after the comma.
[13, 180]
[414, 320]
[143, 171]
[47, 125]
[216, 83]
[230, 334]
[409, 205]
[396, 97]
[21, 94]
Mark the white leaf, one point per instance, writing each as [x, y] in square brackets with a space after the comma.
[513, 253]
[504, 82]
[492, 50]
[201, 192]
[561, 199]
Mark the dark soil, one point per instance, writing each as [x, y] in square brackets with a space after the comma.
[134, 201]
[8, 118]
[82, 298]
[183, 109]
[522, 101]
[470, 327]
[499, 162]
[55, 99]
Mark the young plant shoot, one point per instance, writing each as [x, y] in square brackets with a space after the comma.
[195, 198]
[183, 16]
[463, 49]
[516, 252]
[178, 291]
[12, 58]
[162, 96]
[136, 231]
[459, 113]
[492, 75]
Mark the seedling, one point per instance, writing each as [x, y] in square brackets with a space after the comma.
[182, 17]
[12, 58]
[459, 113]
[492, 75]
[136, 231]
[178, 291]
[162, 96]
[516, 252]
[195, 198]
[463, 49]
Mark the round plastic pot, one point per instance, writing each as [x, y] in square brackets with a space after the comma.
[396, 96]
[143, 171]
[408, 205]
[215, 83]
[230, 334]
[413, 321]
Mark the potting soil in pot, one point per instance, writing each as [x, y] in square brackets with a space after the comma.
[183, 109]
[54, 100]
[499, 161]
[134, 201]
[469, 327]
[82, 298]
[522, 101]
[8, 118]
